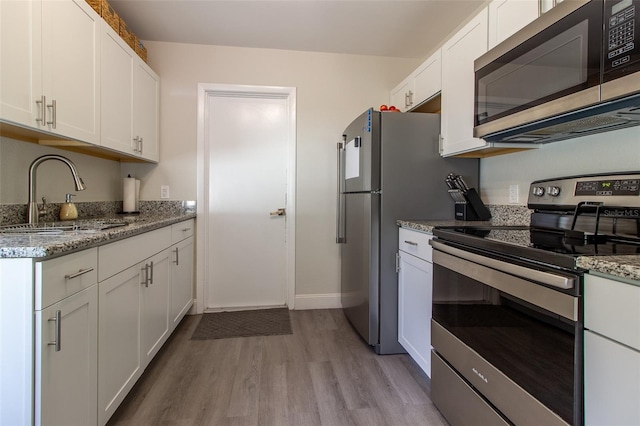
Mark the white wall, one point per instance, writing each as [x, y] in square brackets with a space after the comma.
[102, 177]
[332, 89]
[605, 152]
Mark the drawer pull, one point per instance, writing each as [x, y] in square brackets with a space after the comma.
[411, 243]
[177, 261]
[77, 274]
[186, 229]
[56, 342]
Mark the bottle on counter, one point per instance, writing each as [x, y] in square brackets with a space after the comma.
[68, 210]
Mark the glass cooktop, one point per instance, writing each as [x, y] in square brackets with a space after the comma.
[555, 247]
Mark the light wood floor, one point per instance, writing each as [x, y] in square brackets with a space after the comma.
[322, 374]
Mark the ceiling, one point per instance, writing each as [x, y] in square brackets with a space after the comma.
[396, 28]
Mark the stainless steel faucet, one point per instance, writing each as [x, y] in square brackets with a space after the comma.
[32, 205]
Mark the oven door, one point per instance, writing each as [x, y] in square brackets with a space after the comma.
[550, 67]
[513, 334]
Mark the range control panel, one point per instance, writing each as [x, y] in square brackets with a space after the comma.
[621, 189]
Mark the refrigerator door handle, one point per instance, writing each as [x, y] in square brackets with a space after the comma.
[340, 226]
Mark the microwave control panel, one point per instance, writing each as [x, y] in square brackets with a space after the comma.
[620, 41]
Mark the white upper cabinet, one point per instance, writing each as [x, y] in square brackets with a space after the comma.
[50, 76]
[71, 69]
[129, 100]
[117, 92]
[400, 94]
[427, 79]
[420, 85]
[145, 112]
[21, 59]
[506, 17]
[67, 75]
[458, 55]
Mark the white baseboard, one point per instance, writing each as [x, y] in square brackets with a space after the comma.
[317, 301]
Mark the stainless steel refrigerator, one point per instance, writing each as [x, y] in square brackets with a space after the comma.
[389, 168]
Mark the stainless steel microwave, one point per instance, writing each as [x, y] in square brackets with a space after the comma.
[573, 71]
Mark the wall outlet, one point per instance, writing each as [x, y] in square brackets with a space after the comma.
[513, 194]
[164, 191]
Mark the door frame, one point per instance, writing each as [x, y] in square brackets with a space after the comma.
[206, 90]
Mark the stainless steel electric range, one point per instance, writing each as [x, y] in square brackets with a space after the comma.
[507, 302]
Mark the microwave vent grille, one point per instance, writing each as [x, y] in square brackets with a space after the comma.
[585, 124]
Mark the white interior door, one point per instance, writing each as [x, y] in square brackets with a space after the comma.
[247, 138]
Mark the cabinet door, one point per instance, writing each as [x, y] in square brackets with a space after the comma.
[427, 79]
[458, 54]
[400, 94]
[611, 382]
[117, 92]
[66, 376]
[20, 56]
[506, 17]
[415, 284]
[145, 111]
[71, 68]
[181, 280]
[155, 305]
[120, 358]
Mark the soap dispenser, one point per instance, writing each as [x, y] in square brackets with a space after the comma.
[68, 210]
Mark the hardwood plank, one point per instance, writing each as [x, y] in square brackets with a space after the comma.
[322, 374]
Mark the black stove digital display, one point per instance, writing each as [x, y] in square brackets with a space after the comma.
[604, 188]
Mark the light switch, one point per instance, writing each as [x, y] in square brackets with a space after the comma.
[164, 191]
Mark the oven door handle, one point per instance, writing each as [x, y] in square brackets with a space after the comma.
[503, 279]
[553, 280]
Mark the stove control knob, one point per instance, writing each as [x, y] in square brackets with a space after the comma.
[538, 191]
[554, 191]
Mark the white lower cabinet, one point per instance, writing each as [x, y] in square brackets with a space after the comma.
[415, 284]
[611, 351]
[155, 305]
[120, 336]
[77, 331]
[66, 349]
[181, 279]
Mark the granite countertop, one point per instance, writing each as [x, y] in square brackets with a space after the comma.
[38, 246]
[627, 266]
[428, 225]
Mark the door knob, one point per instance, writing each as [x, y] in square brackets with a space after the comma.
[279, 212]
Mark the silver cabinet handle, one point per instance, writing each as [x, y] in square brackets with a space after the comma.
[54, 109]
[145, 281]
[186, 229]
[177, 261]
[151, 277]
[77, 274]
[140, 141]
[410, 98]
[56, 341]
[279, 212]
[411, 243]
[43, 110]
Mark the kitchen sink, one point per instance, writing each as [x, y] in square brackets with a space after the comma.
[58, 228]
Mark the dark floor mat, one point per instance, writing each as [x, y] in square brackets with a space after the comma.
[225, 325]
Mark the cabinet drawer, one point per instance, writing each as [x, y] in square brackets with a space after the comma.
[612, 309]
[120, 255]
[415, 243]
[63, 276]
[182, 230]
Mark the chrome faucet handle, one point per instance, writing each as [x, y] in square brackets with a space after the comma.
[42, 211]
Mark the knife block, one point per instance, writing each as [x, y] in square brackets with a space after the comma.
[479, 210]
[469, 206]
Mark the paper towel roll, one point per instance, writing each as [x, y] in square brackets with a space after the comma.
[129, 195]
[137, 207]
